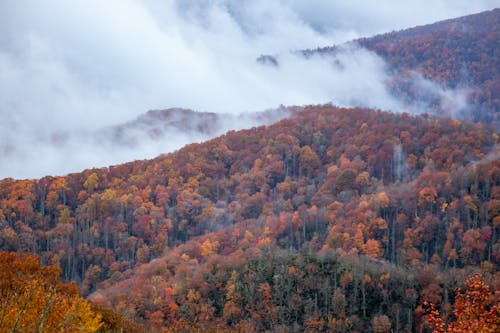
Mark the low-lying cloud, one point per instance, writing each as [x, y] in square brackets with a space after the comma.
[71, 69]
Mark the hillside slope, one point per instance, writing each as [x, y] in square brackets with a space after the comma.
[461, 53]
[340, 198]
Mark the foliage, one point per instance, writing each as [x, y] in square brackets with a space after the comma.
[112, 322]
[459, 53]
[475, 310]
[33, 299]
[417, 193]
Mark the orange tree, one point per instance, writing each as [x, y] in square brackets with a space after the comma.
[475, 310]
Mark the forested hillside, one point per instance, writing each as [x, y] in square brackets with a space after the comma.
[331, 219]
[459, 53]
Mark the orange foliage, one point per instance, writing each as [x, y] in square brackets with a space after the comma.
[34, 299]
[477, 310]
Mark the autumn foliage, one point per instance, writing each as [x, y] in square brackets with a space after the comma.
[460, 54]
[475, 310]
[34, 299]
[329, 219]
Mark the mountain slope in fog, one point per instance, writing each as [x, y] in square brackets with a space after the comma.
[461, 54]
[149, 135]
[162, 124]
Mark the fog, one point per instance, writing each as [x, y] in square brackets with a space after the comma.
[70, 70]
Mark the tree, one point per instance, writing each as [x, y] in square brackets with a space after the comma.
[35, 299]
[372, 248]
[309, 160]
[91, 183]
[381, 324]
[476, 310]
[113, 322]
[232, 311]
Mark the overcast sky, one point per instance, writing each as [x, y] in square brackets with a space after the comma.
[81, 65]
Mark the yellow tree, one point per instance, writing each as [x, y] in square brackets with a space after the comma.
[232, 311]
[91, 183]
[34, 299]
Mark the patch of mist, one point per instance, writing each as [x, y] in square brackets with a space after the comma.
[421, 95]
[492, 156]
[399, 163]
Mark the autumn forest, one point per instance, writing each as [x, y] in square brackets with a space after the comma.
[330, 220]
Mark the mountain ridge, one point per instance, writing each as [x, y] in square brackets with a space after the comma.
[455, 53]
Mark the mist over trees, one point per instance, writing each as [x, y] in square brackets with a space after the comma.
[330, 219]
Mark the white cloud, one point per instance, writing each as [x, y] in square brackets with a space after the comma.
[79, 66]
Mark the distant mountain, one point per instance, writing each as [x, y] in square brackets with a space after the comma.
[151, 134]
[461, 53]
[168, 124]
[160, 124]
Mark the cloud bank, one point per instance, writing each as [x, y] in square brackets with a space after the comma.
[78, 67]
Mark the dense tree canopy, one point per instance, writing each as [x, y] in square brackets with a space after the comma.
[367, 213]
